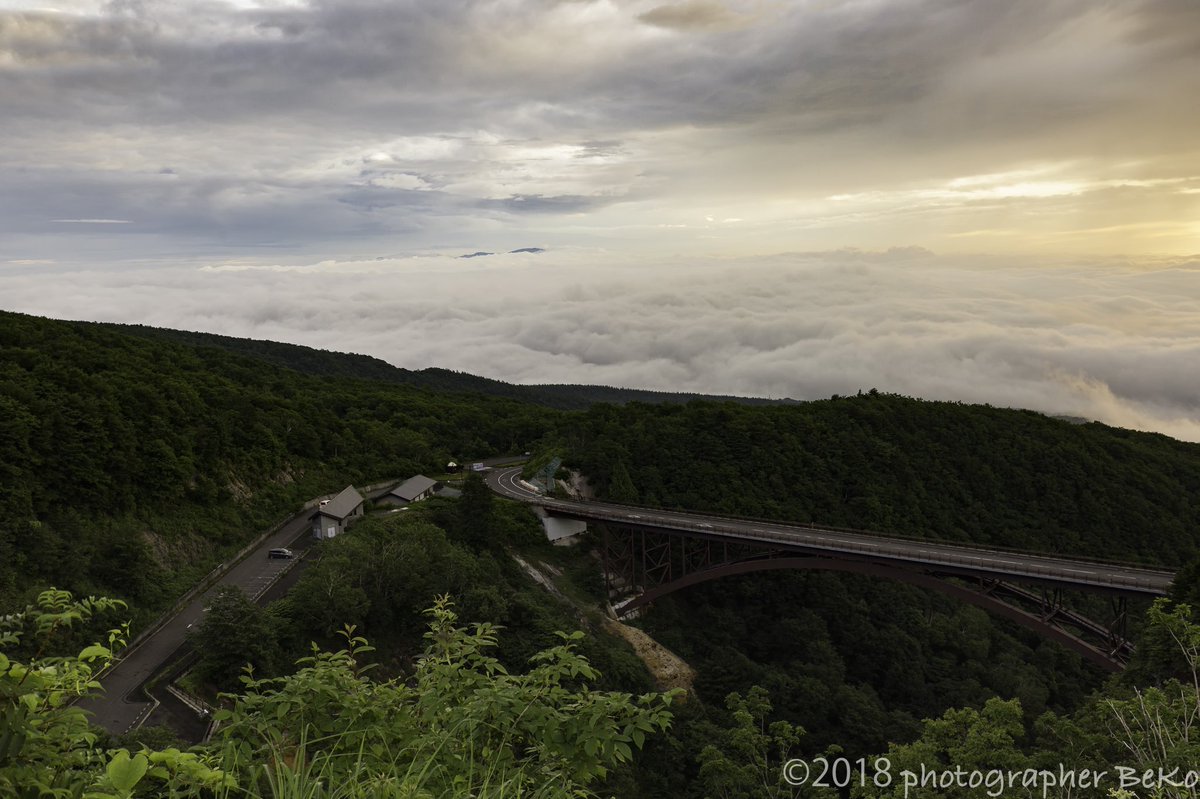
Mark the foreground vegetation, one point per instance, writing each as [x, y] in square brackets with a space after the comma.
[459, 725]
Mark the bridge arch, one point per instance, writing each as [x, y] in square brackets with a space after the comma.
[1038, 624]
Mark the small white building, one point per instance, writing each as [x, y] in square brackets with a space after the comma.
[414, 489]
[334, 515]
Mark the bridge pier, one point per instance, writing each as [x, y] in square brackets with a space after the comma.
[561, 531]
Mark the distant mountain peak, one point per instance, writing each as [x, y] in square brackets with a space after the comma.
[482, 253]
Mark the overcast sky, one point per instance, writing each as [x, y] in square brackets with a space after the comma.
[977, 200]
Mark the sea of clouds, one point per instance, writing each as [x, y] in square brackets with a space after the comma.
[1111, 340]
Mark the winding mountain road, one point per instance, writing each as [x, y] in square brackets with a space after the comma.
[123, 705]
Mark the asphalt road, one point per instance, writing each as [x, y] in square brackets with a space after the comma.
[951, 558]
[122, 706]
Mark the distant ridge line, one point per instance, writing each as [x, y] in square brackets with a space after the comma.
[330, 363]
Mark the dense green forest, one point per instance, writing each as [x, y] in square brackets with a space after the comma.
[390, 564]
[342, 364]
[907, 467]
[129, 467]
[131, 464]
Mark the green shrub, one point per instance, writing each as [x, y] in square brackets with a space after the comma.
[462, 725]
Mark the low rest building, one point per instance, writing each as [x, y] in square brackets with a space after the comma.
[414, 489]
[332, 517]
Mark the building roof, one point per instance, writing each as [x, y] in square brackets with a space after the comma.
[342, 505]
[413, 487]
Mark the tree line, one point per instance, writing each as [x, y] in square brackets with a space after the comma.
[129, 466]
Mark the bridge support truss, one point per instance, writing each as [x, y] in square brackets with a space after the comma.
[644, 564]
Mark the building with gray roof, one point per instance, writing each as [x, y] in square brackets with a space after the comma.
[334, 515]
[414, 489]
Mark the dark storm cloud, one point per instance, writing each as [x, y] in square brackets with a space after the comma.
[691, 15]
[536, 203]
[254, 95]
[1171, 24]
[429, 65]
[205, 206]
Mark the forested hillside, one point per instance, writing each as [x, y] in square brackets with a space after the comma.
[129, 466]
[342, 364]
[908, 467]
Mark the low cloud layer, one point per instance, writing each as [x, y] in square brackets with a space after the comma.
[1112, 340]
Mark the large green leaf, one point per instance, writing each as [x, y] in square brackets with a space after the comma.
[124, 772]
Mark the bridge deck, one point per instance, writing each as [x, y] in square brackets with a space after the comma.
[976, 561]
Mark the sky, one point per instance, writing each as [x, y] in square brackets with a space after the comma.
[980, 201]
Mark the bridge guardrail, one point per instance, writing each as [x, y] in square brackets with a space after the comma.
[1123, 563]
[875, 543]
